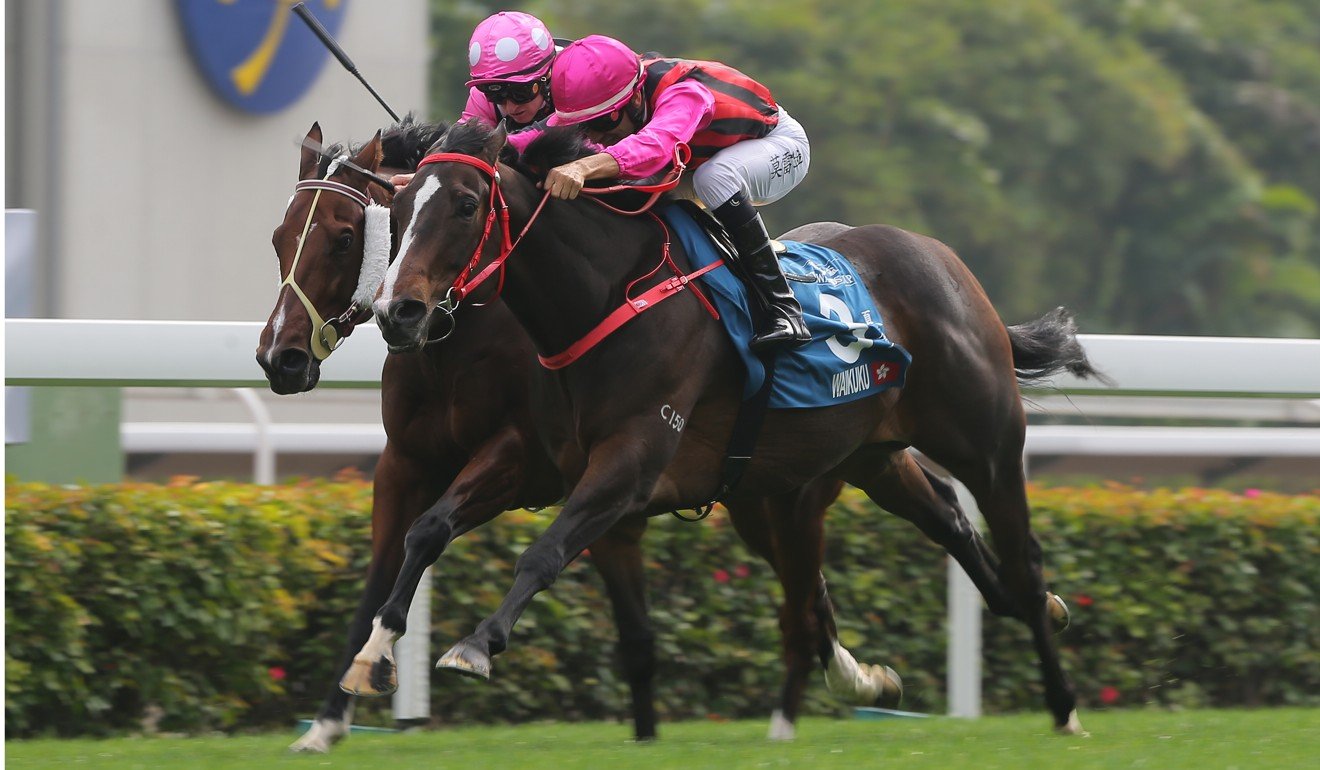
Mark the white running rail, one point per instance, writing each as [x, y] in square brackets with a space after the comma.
[210, 354]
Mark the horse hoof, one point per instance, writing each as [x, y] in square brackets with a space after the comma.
[1058, 612]
[891, 686]
[320, 737]
[370, 678]
[466, 660]
[780, 728]
[1072, 727]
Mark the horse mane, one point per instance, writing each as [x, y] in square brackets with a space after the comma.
[554, 147]
[403, 145]
[466, 137]
[564, 144]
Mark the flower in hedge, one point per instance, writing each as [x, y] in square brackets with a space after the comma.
[1084, 600]
[720, 576]
[1251, 493]
[1108, 694]
[277, 673]
[741, 571]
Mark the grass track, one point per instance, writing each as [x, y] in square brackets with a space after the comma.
[1203, 740]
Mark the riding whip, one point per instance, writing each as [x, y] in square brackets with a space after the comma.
[321, 32]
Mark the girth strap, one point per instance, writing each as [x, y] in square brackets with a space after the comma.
[746, 430]
[626, 312]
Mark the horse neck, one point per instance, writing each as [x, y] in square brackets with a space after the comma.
[573, 265]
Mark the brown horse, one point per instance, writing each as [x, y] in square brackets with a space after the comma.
[460, 437]
[602, 415]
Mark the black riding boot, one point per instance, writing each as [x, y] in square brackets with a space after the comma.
[781, 322]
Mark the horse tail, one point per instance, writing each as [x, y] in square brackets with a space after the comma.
[1048, 345]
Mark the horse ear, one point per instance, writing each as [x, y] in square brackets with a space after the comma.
[371, 154]
[494, 143]
[310, 160]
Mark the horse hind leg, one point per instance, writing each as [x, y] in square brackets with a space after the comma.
[988, 582]
[903, 487]
[999, 486]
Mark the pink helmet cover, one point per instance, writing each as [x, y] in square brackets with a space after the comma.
[593, 76]
[510, 46]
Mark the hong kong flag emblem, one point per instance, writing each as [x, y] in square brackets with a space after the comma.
[883, 372]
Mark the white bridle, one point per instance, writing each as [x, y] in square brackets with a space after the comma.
[326, 337]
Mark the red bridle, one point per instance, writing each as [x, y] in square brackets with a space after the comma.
[498, 209]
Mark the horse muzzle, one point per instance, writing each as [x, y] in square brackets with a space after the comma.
[406, 324]
[403, 323]
[290, 370]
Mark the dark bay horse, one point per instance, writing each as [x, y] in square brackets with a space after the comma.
[603, 415]
[460, 437]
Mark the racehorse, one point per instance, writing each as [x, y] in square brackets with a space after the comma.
[460, 437]
[605, 415]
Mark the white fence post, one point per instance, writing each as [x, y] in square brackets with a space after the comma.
[412, 654]
[964, 652]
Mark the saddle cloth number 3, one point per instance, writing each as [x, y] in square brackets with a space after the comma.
[846, 352]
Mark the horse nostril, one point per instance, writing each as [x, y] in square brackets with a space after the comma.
[407, 313]
[292, 362]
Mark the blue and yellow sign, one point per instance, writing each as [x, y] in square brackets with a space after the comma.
[254, 53]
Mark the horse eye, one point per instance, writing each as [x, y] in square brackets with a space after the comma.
[467, 207]
[344, 241]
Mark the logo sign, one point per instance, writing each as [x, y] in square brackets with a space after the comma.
[254, 53]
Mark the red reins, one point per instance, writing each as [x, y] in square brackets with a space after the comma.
[631, 308]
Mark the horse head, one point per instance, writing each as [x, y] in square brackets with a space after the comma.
[332, 247]
[449, 215]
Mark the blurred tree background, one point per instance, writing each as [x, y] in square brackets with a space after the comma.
[1152, 164]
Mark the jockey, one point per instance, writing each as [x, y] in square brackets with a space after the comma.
[509, 59]
[746, 150]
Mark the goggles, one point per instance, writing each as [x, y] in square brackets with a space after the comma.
[518, 93]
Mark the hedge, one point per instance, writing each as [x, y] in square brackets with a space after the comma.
[198, 606]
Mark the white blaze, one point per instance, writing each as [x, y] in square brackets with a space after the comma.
[419, 202]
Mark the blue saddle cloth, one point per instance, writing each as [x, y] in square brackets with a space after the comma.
[848, 358]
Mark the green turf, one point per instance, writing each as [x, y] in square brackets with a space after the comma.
[1203, 740]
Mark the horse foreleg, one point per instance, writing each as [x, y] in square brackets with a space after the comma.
[400, 489]
[788, 533]
[329, 728]
[617, 555]
[619, 479]
[485, 488]
[798, 547]
[860, 684]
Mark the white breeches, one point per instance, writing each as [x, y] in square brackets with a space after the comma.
[765, 169]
